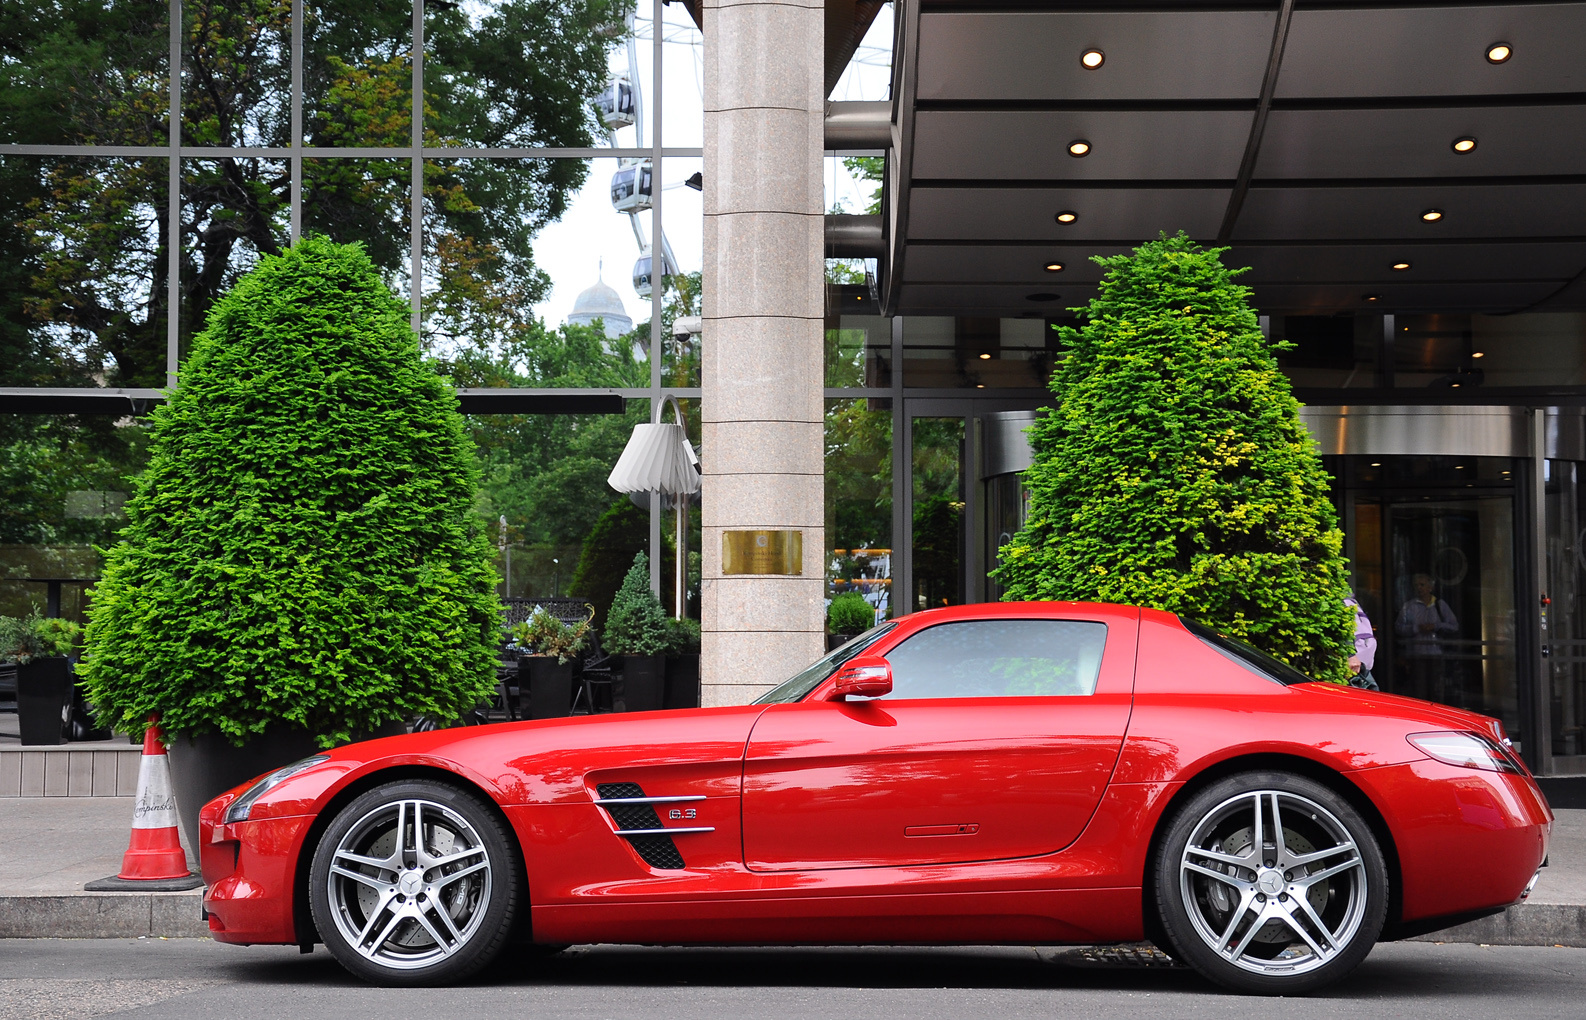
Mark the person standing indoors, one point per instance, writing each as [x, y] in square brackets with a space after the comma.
[1423, 623]
[1365, 648]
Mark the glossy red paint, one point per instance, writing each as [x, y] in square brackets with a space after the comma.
[1046, 805]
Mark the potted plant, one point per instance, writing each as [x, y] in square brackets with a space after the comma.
[682, 664]
[41, 647]
[636, 633]
[302, 563]
[848, 616]
[550, 666]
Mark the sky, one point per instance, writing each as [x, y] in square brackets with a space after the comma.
[593, 237]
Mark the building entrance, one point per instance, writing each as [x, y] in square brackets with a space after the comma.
[1432, 546]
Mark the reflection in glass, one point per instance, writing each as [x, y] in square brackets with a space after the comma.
[859, 501]
[999, 659]
[236, 73]
[66, 479]
[1338, 351]
[358, 73]
[938, 462]
[858, 339]
[98, 78]
[1565, 635]
[363, 200]
[978, 352]
[515, 73]
[82, 251]
[233, 210]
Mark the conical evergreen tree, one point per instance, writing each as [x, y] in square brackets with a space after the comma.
[1175, 472]
[637, 623]
[302, 547]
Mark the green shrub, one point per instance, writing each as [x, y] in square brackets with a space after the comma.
[682, 636]
[302, 547]
[36, 637]
[1175, 472]
[849, 613]
[637, 624]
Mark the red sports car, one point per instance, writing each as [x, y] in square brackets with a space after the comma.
[1038, 773]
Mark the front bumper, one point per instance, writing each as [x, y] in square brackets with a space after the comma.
[250, 870]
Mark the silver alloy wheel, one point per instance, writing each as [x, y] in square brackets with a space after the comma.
[409, 884]
[1273, 883]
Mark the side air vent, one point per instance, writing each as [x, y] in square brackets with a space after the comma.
[656, 850]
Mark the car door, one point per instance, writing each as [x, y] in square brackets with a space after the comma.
[996, 742]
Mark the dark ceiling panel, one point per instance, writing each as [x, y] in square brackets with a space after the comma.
[1012, 264]
[1026, 214]
[1149, 55]
[1470, 211]
[1369, 266]
[937, 299]
[1330, 298]
[1033, 144]
[1433, 51]
[1522, 140]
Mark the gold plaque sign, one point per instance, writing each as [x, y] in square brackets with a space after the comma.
[762, 552]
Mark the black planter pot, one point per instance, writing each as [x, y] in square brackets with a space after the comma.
[44, 700]
[682, 681]
[643, 684]
[550, 685]
[206, 766]
[836, 641]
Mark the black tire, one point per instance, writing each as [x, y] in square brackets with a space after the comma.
[428, 912]
[1301, 915]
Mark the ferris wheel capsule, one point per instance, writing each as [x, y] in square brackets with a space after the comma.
[632, 187]
[617, 105]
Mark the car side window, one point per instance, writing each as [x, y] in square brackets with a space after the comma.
[999, 659]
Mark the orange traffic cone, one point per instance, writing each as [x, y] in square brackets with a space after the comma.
[154, 860]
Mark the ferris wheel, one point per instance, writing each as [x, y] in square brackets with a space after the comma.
[621, 105]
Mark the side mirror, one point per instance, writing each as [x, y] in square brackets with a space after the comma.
[868, 676]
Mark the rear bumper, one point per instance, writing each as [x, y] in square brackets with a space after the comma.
[1468, 841]
[250, 871]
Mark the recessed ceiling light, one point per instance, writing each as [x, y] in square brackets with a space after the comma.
[1401, 267]
[1376, 463]
[1067, 217]
[1053, 267]
[1079, 147]
[1465, 143]
[1498, 52]
[1478, 354]
[1454, 386]
[985, 357]
[1432, 215]
[980, 385]
[1458, 467]
[1372, 297]
[1092, 59]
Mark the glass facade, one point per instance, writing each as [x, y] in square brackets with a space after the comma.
[470, 148]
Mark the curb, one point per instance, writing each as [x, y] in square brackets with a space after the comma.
[1524, 924]
[103, 916]
[176, 915]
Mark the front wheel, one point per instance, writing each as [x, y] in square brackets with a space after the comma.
[414, 883]
[1271, 883]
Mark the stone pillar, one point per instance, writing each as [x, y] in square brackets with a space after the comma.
[764, 271]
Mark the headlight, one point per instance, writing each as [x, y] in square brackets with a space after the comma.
[1467, 750]
[237, 810]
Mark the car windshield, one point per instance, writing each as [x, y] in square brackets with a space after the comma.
[1250, 658]
[802, 683]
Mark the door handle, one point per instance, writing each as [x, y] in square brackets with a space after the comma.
[959, 829]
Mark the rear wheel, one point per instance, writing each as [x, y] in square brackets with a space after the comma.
[414, 883]
[1271, 883]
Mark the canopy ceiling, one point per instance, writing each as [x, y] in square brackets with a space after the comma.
[1309, 137]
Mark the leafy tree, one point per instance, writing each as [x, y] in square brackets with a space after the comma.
[1175, 472]
[303, 547]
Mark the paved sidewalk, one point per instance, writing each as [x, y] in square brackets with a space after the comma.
[49, 847]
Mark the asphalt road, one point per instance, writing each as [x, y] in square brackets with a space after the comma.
[50, 979]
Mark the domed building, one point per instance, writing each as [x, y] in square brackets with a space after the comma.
[604, 303]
